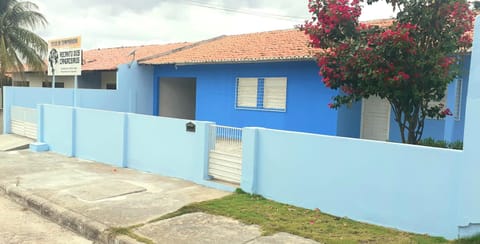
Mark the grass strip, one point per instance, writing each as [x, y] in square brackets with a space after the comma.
[127, 231]
[275, 217]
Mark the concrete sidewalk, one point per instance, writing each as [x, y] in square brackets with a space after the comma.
[91, 198]
[9, 142]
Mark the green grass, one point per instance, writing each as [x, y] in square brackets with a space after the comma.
[275, 217]
[129, 231]
[472, 240]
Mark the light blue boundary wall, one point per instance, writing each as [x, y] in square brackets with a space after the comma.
[470, 177]
[162, 145]
[408, 187]
[133, 95]
[149, 143]
[412, 188]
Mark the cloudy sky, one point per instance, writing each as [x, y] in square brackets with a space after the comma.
[103, 23]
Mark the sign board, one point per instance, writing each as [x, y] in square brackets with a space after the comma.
[65, 56]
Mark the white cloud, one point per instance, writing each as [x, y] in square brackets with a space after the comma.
[127, 22]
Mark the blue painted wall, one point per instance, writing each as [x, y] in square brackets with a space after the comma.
[307, 98]
[449, 128]
[349, 120]
[135, 83]
[134, 94]
[412, 188]
[470, 182]
[459, 125]
[57, 128]
[434, 128]
[148, 143]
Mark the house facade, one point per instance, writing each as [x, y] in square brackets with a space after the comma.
[278, 95]
[271, 80]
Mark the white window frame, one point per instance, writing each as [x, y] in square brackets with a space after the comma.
[249, 100]
[260, 102]
[268, 94]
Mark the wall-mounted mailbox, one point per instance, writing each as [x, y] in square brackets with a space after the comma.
[190, 127]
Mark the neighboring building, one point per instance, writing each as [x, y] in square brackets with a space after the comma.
[99, 67]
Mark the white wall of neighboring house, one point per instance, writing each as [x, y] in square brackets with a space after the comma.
[37, 79]
[68, 81]
[34, 79]
[108, 77]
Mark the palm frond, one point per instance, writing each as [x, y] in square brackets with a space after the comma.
[19, 44]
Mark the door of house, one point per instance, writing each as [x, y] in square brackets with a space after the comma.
[375, 123]
[177, 98]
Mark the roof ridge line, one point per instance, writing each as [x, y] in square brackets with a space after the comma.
[134, 46]
[180, 48]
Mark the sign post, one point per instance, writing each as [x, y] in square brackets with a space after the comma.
[65, 59]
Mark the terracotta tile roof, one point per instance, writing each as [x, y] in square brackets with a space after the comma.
[110, 58]
[277, 45]
[264, 46]
[382, 23]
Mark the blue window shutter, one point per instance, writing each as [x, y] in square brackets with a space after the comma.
[261, 86]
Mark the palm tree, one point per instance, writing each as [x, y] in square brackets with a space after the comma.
[18, 43]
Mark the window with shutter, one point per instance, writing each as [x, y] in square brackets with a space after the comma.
[275, 93]
[247, 90]
[262, 93]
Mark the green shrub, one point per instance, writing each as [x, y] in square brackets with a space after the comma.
[430, 142]
[456, 145]
[470, 240]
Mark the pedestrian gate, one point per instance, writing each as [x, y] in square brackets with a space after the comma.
[225, 155]
[23, 121]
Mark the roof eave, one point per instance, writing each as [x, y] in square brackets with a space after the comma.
[104, 69]
[247, 61]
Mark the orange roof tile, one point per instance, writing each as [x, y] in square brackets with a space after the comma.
[382, 23]
[253, 47]
[264, 46]
[110, 58]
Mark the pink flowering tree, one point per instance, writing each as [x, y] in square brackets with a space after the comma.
[409, 61]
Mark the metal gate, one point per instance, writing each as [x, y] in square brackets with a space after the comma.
[23, 121]
[225, 157]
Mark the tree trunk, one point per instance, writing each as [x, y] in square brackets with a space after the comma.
[412, 136]
[411, 126]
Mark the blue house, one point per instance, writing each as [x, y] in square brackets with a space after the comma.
[264, 79]
[270, 79]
